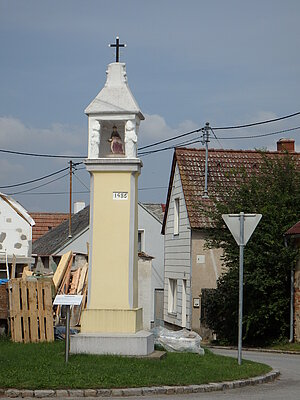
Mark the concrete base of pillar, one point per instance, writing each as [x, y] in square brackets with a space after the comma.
[127, 344]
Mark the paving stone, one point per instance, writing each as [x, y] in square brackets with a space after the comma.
[188, 389]
[158, 390]
[90, 393]
[62, 393]
[170, 389]
[27, 393]
[148, 391]
[44, 393]
[117, 392]
[179, 389]
[76, 393]
[132, 392]
[104, 392]
[12, 393]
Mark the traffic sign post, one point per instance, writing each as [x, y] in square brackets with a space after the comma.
[241, 227]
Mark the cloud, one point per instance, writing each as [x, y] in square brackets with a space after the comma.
[58, 138]
[155, 129]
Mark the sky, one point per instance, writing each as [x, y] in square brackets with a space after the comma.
[188, 62]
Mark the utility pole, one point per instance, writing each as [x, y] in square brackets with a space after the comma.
[205, 140]
[70, 204]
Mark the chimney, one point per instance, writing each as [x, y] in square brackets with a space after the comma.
[286, 145]
[78, 206]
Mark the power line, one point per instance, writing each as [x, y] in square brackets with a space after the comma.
[37, 179]
[34, 180]
[80, 181]
[173, 138]
[220, 128]
[23, 153]
[36, 187]
[257, 123]
[260, 135]
[54, 193]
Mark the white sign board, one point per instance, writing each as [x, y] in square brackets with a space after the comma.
[120, 195]
[68, 300]
[233, 223]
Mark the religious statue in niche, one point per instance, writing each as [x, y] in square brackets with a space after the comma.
[130, 140]
[95, 140]
[116, 144]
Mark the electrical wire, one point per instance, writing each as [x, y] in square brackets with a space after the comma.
[220, 128]
[34, 180]
[80, 181]
[260, 135]
[23, 153]
[257, 123]
[43, 184]
[173, 138]
[37, 179]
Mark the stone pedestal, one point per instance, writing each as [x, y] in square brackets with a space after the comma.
[135, 344]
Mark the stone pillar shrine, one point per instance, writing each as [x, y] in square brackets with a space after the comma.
[112, 322]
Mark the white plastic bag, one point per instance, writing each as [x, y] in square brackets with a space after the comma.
[181, 341]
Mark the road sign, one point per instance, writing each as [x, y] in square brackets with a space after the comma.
[241, 227]
[233, 223]
[68, 300]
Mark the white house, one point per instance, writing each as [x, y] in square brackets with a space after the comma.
[15, 235]
[191, 267]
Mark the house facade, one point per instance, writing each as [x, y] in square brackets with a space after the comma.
[293, 237]
[15, 236]
[191, 267]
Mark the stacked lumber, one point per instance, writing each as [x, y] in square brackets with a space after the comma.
[67, 281]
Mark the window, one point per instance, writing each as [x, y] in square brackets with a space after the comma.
[176, 216]
[141, 240]
[172, 296]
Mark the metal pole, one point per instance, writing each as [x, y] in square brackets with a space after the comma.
[70, 201]
[67, 334]
[292, 307]
[241, 272]
[206, 140]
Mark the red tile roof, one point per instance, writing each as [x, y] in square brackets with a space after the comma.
[45, 221]
[191, 164]
[294, 230]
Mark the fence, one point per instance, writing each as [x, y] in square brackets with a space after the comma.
[31, 316]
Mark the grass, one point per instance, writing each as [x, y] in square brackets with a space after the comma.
[286, 346]
[42, 366]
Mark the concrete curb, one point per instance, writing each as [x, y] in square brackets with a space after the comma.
[143, 391]
[258, 349]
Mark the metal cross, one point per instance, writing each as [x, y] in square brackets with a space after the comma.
[117, 45]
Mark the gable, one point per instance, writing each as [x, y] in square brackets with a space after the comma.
[191, 165]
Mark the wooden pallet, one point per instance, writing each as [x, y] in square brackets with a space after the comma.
[31, 316]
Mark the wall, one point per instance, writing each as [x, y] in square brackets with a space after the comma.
[145, 292]
[154, 246]
[206, 269]
[15, 232]
[177, 254]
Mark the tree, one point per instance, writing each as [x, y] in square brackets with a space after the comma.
[273, 191]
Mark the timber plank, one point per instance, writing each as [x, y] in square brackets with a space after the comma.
[32, 288]
[61, 269]
[25, 308]
[75, 281]
[49, 330]
[82, 278]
